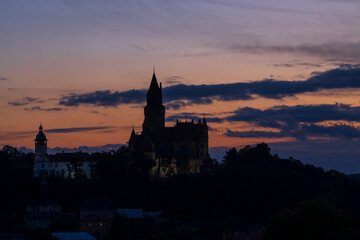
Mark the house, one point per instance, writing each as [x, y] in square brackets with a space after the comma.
[66, 165]
[137, 213]
[73, 236]
[96, 216]
[40, 212]
[12, 236]
[130, 213]
[230, 235]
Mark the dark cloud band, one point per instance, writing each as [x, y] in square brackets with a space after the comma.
[25, 101]
[303, 132]
[104, 98]
[301, 121]
[38, 108]
[347, 76]
[284, 115]
[78, 129]
[330, 49]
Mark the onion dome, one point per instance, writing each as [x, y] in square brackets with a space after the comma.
[40, 136]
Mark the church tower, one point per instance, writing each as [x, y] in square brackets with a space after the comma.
[40, 145]
[154, 122]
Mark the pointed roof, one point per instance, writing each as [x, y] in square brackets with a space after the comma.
[154, 89]
[204, 123]
[132, 137]
[141, 143]
[40, 136]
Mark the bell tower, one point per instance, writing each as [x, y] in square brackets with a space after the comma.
[40, 145]
[154, 111]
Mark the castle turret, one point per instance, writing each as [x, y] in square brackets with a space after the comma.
[205, 124]
[132, 137]
[40, 145]
[204, 151]
[132, 140]
[154, 122]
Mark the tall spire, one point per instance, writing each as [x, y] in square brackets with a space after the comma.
[204, 123]
[154, 110]
[154, 89]
[132, 136]
[40, 127]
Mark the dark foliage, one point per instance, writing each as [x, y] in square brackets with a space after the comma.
[249, 187]
[17, 186]
[312, 220]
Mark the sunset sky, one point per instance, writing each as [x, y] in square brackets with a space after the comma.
[282, 72]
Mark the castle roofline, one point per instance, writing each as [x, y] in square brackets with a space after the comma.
[68, 157]
[132, 137]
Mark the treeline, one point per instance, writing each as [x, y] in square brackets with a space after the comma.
[250, 186]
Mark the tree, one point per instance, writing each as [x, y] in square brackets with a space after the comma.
[230, 157]
[140, 164]
[75, 169]
[311, 220]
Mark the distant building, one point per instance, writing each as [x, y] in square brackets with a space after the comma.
[66, 165]
[96, 216]
[40, 212]
[73, 236]
[242, 235]
[252, 232]
[137, 213]
[179, 149]
[12, 236]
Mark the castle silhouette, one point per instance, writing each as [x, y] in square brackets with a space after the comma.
[179, 149]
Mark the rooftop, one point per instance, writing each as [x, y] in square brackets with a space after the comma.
[67, 157]
[98, 204]
[73, 236]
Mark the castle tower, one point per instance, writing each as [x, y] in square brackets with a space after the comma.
[204, 150]
[40, 145]
[154, 122]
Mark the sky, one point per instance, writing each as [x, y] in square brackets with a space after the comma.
[282, 72]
